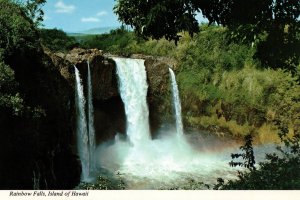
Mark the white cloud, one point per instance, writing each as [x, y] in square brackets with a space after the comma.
[61, 7]
[90, 19]
[102, 13]
[95, 18]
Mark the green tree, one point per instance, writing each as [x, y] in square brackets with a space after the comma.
[34, 10]
[18, 33]
[158, 18]
[248, 155]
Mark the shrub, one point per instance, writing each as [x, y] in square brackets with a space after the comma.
[280, 171]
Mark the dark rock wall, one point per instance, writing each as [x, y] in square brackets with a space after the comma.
[109, 111]
[159, 90]
[38, 153]
[110, 118]
[108, 107]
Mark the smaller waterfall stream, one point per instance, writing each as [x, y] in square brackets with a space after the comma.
[177, 104]
[81, 130]
[91, 129]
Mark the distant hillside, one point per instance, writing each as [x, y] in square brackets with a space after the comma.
[93, 31]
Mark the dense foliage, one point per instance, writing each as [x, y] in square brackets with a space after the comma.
[17, 37]
[17, 30]
[157, 19]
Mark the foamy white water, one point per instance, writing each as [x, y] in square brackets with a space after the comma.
[133, 90]
[165, 162]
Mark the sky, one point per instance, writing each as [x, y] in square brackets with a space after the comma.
[75, 16]
[79, 15]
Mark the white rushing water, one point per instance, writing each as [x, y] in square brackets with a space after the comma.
[81, 128]
[164, 161]
[91, 129]
[133, 90]
[176, 103]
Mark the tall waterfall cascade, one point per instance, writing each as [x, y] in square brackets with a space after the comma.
[81, 128]
[177, 104]
[85, 126]
[133, 90]
[91, 129]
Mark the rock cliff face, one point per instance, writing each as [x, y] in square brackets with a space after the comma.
[38, 144]
[108, 107]
[104, 81]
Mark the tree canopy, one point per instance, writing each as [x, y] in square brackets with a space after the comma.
[34, 10]
[166, 18]
[18, 33]
[271, 24]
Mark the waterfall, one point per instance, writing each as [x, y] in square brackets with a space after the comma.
[91, 129]
[133, 90]
[81, 129]
[169, 158]
[177, 104]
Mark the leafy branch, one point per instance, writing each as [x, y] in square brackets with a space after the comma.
[247, 156]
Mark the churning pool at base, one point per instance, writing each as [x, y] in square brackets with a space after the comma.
[172, 160]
